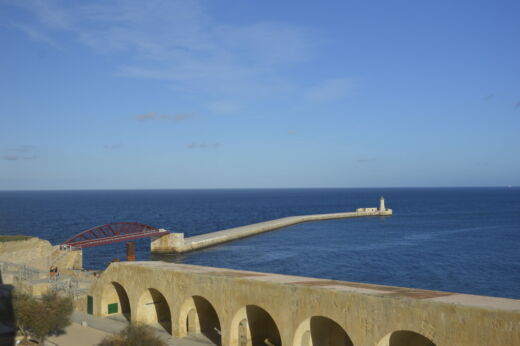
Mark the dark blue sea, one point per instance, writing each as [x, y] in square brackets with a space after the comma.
[450, 239]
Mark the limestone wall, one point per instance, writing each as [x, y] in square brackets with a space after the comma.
[33, 252]
[39, 254]
[249, 307]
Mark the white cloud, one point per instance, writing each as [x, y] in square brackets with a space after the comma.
[35, 34]
[180, 42]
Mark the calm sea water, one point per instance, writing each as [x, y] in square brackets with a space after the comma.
[452, 239]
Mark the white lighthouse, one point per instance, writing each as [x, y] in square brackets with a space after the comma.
[382, 204]
[382, 210]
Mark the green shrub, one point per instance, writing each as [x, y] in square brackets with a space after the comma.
[40, 318]
[134, 335]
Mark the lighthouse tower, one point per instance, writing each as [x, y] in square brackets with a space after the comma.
[382, 204]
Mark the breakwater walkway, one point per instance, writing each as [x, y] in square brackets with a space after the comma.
[176, 243]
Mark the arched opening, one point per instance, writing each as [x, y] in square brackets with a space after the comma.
[405, 338]
[208, 320]
[253, 326]
[326, 332]
[153, 309]
[114, 302]
[321, 331]
[200, 317]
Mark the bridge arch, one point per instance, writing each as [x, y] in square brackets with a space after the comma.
[114, 301]
[321, 331]
[405, 338]
[252, 325]
[113, 233]
[153, 309]
[198, 316]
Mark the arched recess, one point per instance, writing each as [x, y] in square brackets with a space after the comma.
[198, 316]
[115, 301]
[253, 326]
[321, 331]
[153, 309]
[405, 338]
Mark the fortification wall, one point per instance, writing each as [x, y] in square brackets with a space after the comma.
[248, 307]
[33, 252]
[39, 254]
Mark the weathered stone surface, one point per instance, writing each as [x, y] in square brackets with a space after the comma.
[39, 254]
[33, 252]
[298, 309]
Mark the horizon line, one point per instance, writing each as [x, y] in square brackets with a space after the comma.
[260, 188]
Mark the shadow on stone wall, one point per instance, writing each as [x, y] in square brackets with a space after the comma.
[7, 322]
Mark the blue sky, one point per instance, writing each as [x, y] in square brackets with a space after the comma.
[233, 94]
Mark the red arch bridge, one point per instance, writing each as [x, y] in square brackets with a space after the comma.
[113, 233]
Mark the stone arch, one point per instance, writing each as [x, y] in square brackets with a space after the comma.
[115, 302]
[252, 326]
[405, 338]
[153, 309]
[198, 316]
[321, 331]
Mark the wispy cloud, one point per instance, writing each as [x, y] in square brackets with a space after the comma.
[488, 97]
[181, 42]
[155, 116]
[24, 148]
[517, 105]
[146, 116]
[36, 34]
[203, 145]
[22, 152]
[11, 157]
[330, 90]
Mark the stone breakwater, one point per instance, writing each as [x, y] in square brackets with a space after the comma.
[176, 243]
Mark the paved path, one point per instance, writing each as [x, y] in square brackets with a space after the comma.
[98, 328]
[77, 335]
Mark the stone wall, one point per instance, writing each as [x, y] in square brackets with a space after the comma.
[33, 252]
[247, 308]
[39, 254]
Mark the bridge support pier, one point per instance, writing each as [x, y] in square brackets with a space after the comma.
[168, 243]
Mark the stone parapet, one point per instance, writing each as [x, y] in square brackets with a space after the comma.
[233, 307]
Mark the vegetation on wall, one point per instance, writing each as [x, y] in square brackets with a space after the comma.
[5, 238]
